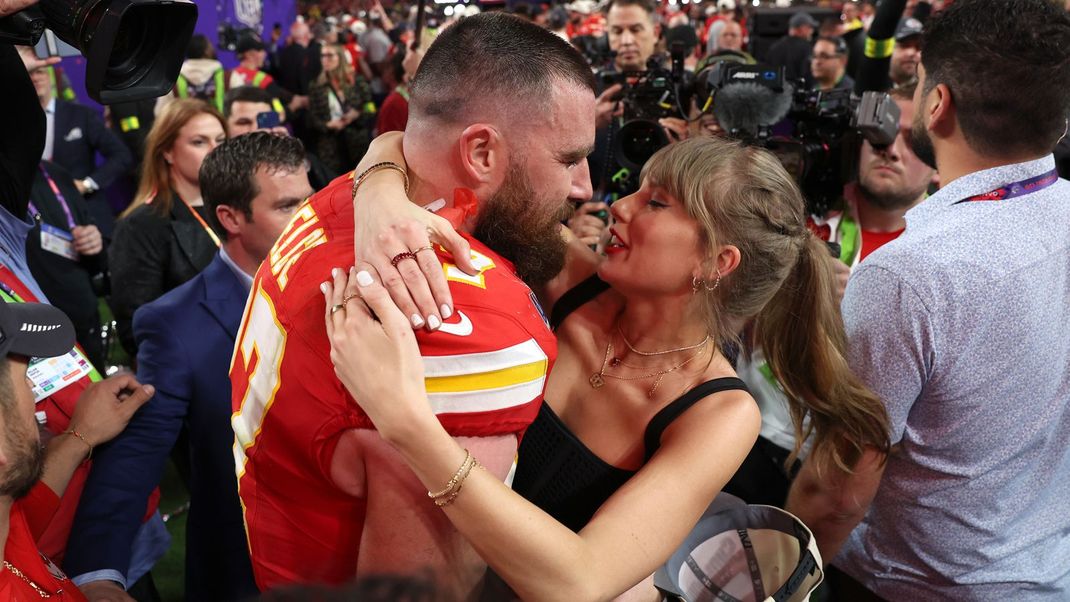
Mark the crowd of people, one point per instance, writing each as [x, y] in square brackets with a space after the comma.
[405, 318]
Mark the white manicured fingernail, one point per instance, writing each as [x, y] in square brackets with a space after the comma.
[417, 321]
[435, 205]
[323, 288]
[364, 278]
[334, 272]
[446, 311]
[433, 322]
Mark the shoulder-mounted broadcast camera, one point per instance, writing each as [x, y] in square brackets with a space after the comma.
[133, 48]
[808, 130]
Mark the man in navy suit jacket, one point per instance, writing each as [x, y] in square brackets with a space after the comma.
[253, 183]
[75, 134]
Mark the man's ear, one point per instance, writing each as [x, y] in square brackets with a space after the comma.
[230, 218]
[942, 111]
[483, 154]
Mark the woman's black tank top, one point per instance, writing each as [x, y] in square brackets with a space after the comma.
[557, 472]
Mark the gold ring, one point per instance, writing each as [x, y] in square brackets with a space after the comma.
[349, 298]
[337, 307]
[424, 248]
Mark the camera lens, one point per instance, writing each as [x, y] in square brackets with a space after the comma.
[637, 141]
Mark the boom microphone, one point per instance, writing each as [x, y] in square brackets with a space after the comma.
[880, 40]
[747, 107]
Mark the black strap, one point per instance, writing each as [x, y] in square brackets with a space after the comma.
[576, 297]
[665, 417]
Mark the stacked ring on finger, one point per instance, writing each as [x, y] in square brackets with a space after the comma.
[349, 298]
[337, 307]
[424, 248]
[402, 257]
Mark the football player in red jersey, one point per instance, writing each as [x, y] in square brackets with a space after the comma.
[325, 498]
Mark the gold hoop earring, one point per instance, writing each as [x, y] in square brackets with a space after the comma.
[696, 283]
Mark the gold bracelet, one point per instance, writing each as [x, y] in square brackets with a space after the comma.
[379, 166]
[79, 435]
[453, 481]
[440, 502]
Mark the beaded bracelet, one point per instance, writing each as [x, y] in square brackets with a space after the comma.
[453, 481]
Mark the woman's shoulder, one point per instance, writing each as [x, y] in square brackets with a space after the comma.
[144, 221]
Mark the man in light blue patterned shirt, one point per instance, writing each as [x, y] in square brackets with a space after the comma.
[962, 327]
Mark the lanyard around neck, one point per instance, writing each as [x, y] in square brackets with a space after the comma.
[59, 197]
[208, 229]
[1016, 189]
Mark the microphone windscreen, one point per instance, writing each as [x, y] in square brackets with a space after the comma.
[747, 106]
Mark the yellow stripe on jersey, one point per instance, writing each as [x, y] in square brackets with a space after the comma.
[481, 382]
[494, 379]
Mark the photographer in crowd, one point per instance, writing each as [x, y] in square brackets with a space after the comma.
[961, 327]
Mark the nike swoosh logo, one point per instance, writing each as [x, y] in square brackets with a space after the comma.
[460, 329]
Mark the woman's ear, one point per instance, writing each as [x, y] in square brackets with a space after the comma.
[724, 263]
[483, 154]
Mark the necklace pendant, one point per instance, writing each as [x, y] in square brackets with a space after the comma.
[596, 380]
[613, 363]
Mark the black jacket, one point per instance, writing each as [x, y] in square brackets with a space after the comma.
[152, 254]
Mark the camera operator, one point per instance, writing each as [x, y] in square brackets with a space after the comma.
[633, 32]
[891, 180]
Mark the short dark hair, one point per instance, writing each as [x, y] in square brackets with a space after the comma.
[245, 94]
[1007, 63]
[199, 47]
[227, 173]
[839, 43]
[497, 57]
[649, 6]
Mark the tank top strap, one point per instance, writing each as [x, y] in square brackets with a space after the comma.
[666, 416]
[574, 298]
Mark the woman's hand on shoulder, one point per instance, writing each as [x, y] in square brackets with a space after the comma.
[374, 352]
[388, 226]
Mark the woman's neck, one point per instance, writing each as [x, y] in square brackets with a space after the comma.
[652, 325]
[190, 192]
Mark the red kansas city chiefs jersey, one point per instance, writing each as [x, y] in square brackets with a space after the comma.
[485, 370]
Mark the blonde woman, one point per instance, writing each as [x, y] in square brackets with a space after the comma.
[339, 103]
[644, 420]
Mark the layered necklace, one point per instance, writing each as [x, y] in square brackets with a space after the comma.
[611, 361]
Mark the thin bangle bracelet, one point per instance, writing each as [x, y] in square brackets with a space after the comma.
[80, 436]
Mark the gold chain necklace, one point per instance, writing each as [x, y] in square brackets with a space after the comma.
[20, 575]
[598, 378]
[652, 353]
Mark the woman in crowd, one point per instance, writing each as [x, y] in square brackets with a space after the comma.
[166, 236]
[644, 420]
[339, 101]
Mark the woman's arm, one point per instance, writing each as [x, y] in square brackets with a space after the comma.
[633, 533]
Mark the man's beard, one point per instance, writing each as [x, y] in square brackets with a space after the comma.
[921, 143]
[891, 199]
[27, 463]
[515, 223]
